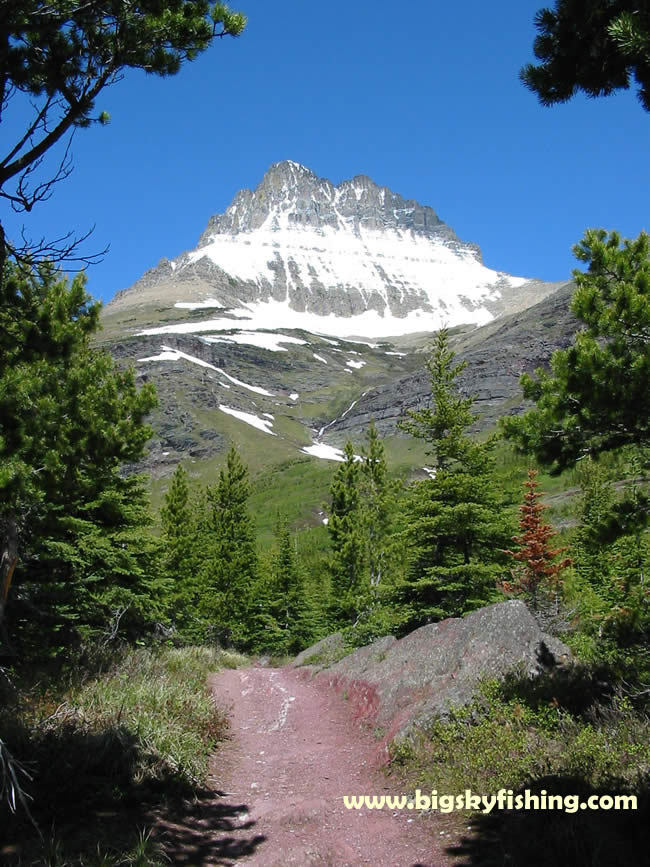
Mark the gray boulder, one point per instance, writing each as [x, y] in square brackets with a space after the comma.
[325, 652]
[401, 686]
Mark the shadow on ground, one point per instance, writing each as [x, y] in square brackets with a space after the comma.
[207, 831]
[96, 791]
[553, 838]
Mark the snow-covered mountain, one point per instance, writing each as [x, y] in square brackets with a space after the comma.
[347, 267]
[352, 259]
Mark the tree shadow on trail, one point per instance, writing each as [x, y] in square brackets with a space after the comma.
[100, 789]
[553, 838]
[207, 831]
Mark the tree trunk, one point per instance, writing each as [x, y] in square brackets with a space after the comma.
[8, 560]
[3, 253]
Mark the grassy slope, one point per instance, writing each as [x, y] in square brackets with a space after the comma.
[298, 485]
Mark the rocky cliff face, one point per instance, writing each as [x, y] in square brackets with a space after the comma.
[372, 262]
[496, 354]
[293, 191]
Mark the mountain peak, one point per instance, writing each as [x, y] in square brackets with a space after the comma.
[290, 195]
[285, 167]
[351, 251]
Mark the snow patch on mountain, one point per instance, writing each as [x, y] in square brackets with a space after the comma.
[257, 389]
[278, 314]
[272, 342]
[323, 451]
[168, 353]
[250, 418]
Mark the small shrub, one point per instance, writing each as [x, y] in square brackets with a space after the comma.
[486, 746]
[524, 730]
[401, 752]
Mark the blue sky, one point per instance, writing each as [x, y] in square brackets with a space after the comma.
[423, 97]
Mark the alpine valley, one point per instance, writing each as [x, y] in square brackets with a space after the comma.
[306, 310]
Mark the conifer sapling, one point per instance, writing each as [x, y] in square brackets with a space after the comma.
[538, 574]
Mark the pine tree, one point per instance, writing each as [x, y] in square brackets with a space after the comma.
[230, 570]
[594, 398]
[73, 527]
[179, 560]
[291, 606]
[612, 561]
[628, 618]
[594, 511]
[594, 46]
[538, 578]
[455, 524]
[285, 578]
[282, 616]
[376, 499]
[444, 425]
[265, 634]
[349, 561]
[93, 565]
[376, 523]
[318, 598]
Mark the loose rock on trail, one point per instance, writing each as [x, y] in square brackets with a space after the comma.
[294, 753]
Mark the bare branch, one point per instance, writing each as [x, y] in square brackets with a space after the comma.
[11, 789]
[40, 118]
[63, 250]
[114, 626]
[60, 56]
[76, 111]
[24, 199]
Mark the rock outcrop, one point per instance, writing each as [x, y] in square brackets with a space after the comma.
[325, 652]
[402, 685]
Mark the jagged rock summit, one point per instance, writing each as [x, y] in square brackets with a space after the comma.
[291, 195]
[299, 252]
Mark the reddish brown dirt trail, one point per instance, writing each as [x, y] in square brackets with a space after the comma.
[294, 753]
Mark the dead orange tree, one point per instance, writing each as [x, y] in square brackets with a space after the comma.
[537, 574]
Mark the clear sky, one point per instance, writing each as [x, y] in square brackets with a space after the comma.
[423, 97]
